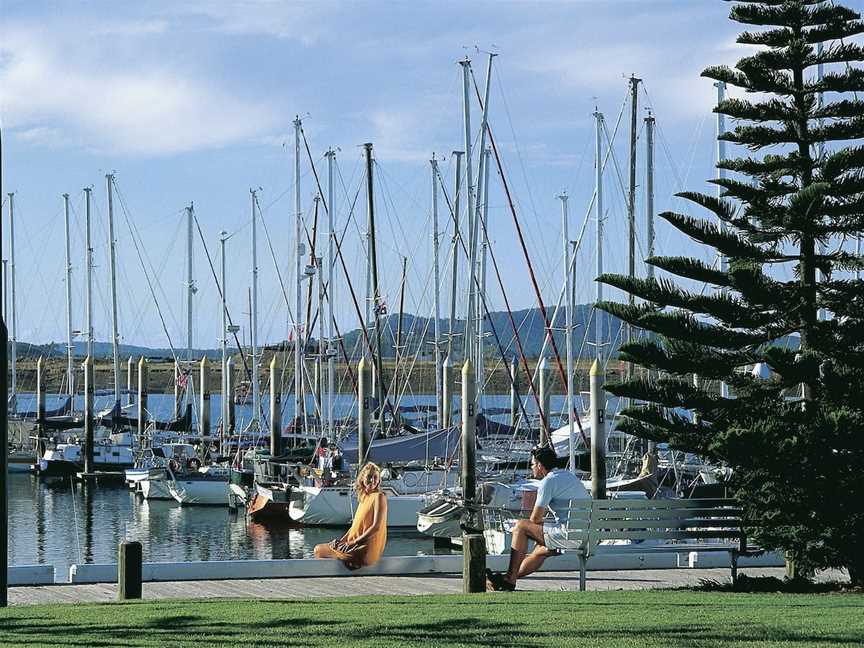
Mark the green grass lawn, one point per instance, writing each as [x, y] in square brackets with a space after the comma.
[549, 619]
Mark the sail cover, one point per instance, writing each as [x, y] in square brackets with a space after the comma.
[424, 446]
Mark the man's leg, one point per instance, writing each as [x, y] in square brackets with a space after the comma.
[535, 560]
[524, 531]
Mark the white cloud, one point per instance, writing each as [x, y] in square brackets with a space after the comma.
[51, 87]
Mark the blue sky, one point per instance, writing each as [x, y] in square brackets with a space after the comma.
[193, 101]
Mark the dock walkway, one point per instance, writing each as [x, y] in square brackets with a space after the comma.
[323, 586]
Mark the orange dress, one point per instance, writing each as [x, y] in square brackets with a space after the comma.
[369, 550]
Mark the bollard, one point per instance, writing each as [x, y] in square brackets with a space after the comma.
[129, 557]
[598, 433]
[545, 413]
[514, 392]
[473, 542]
[447, 393]
[275, 407]
[204, 388]
[88, 415]
[364, 381]
[143, 396]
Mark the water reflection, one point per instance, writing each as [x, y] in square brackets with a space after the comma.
[60, 523]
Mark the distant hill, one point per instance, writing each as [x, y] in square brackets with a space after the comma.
[415, 331]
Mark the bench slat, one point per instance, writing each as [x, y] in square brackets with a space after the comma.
[666, 514]
[613, 525]
[599, 505]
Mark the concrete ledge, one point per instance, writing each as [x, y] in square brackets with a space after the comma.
[622, 558]
[31, 575]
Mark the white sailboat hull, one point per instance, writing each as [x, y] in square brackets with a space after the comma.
[213, 492]
[335, 506]
[155, 489]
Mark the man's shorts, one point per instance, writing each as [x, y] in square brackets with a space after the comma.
[554, 535]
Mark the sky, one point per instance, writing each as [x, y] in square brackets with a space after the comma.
[193, 101]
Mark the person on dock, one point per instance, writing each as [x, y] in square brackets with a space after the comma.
[364, 542]
[557, 487]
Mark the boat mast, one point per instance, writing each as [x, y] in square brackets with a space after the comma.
[331, 295]
[13, 399]
[475, 304]
[568, 329]
[721, 174]
[190, 282]
[436, 280]
[88, 261]
[298, 278]
[598, 203]
[649, 206]
[223, 339]
[115, 336]
[373, 263]
[70, 372]
[253, 314]
[468, 349]
[481, 302]
[631, 208]
[457, 195]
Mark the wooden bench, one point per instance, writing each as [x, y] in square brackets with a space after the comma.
[593, 521]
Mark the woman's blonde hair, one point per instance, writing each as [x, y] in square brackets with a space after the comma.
[368, 480]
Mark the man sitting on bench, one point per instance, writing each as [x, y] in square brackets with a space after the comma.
[557, 488]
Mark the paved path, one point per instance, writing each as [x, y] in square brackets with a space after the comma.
[304, 588]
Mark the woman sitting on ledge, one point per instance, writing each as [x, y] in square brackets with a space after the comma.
[364, 542]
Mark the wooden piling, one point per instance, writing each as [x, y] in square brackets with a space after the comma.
[447, 392]
[545, 411]
[598, 433]
[204, 388]
[473, 542]
[88, 415]
[275, 406]
[130, 381]
[129, 559]
[143, 395]
[178, 394]
[229, 396]
[514, 392]
[40, 408]
[364, 385]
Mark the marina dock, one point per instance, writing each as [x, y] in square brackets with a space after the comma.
[330, 587]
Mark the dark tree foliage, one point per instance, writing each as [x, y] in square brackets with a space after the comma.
[795, 442]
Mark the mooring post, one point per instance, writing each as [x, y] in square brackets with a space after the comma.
[130, 381]
[204, 387]
[447, 392]
[88, 416]
[473, 542]
[598, 433]
[40, 408]
[364, 385]
[177, 393]
[228, 426]
[545, 411]
[143, 393]
[514, 392]
[129, 558]
[275, 407]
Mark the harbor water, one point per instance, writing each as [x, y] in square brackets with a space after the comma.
[62, 523]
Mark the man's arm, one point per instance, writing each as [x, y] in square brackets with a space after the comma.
[537, 514]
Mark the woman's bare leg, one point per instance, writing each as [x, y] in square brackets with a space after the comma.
[327, 552]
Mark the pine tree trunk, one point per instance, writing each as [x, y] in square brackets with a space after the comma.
[856, 571]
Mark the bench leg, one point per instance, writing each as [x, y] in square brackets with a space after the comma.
[582, 570]
[733, 556]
